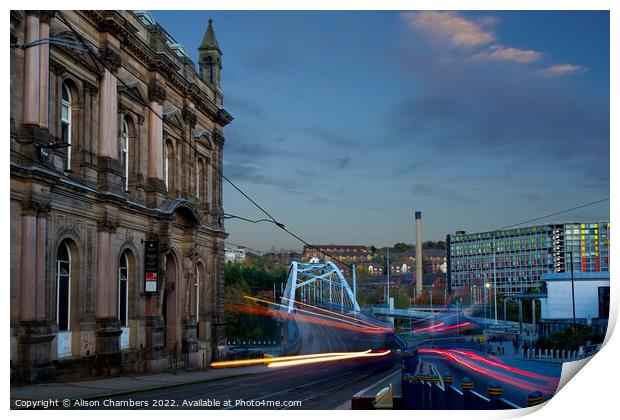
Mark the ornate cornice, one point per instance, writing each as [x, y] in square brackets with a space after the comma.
[33, 207]
[111, 59]
[218, 138]
[47, 16]
[222, 117]
[90, 88]
[189, 117]
[112, 22]
[168, 68]
[107, 224]
[157, 92]
[57, 68]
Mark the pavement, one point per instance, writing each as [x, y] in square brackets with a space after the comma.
[108, 387]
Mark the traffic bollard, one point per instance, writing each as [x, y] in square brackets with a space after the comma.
[534, 398]
[494, 391]
[447, 383]
[467, 385]
[434, 392]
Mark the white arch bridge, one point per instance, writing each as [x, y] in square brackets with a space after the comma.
[320, 284]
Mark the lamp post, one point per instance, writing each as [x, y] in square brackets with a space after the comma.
[572, 282]
[388, 277]
[486, 294]
[431, 293]
[494, 279]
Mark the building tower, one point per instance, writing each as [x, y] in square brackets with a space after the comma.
[418, 253]
[210, 57]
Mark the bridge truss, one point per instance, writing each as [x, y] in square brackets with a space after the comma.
[319, 284]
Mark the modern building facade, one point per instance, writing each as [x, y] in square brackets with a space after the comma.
[518, 258]
[591, 295]
[117, 235]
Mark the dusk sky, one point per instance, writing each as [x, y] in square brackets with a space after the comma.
[348, 122]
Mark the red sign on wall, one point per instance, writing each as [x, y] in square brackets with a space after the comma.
[151, 263]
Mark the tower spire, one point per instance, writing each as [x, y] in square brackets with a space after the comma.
[210, 57]
[209, 40]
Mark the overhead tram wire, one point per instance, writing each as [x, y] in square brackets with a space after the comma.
[98, 60]
[555, 214]
[281, 226]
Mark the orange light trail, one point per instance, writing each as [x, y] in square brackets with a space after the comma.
[354, 355]
[363, 328]
[268, 360]
[340, 324]
[335, 313]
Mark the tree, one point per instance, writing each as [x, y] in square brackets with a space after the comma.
[401, 247]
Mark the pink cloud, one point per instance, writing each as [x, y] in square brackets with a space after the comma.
[516, 55]
[450, 27]
[562, 69]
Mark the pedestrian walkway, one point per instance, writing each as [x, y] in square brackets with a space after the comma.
[108, 387]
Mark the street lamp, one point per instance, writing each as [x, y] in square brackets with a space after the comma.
[572, 282]
[388, 277]
[486, 304]
[494, 279]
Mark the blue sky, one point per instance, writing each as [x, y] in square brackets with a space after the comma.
[348, 122]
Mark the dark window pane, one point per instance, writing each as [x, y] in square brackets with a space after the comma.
[603, 302]
[63, 303]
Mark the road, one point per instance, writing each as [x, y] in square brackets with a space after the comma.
[517, 377]
[322, 386]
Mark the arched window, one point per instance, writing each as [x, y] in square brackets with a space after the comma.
[63, 287]
[65, 116]
[168, 165]
[123, 274]
[125, 152]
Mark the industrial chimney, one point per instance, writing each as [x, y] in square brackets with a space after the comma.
[418, 253]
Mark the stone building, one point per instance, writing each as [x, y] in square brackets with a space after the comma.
[116, 144]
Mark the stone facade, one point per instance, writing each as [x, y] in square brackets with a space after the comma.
[116, 139]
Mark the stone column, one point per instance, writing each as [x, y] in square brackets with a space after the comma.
[107, 116]
[103, 244]
[28, 270]
[219, 331]
[41, 261]
[35, 334]
[107, 334]
[157, 96]
[31, 70]
[189, 343]
[44, 70]
[110, 171]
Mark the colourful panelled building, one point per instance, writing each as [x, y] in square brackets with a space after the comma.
[517, 258]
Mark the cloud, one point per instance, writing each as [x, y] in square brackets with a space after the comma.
[432, 189]
[342, 163]
[561, 70]
[248, 173]
[450, 27]
[479, 116]
[240, 106]
[516, 55]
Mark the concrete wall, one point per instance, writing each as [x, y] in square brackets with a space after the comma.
[559, 304]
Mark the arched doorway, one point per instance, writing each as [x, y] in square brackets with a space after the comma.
[169, 306]
[67, 295]
[126, 302]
